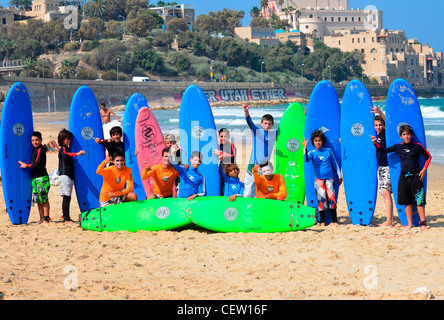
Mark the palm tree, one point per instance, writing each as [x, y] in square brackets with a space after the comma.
[96, 8]
[67, 69]
[254, 12]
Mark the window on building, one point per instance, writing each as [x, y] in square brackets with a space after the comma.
[4, 20]
[373, 50]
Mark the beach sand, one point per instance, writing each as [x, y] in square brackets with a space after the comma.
[55, 261]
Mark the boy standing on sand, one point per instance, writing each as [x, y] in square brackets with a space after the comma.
[263, 143]
[410, 186]
[40, 178]
[384, 182]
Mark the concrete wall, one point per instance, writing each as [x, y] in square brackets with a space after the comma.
[169, 94]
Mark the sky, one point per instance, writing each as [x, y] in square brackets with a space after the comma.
[420, 19]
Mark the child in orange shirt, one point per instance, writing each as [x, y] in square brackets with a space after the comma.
[115, 178]
[164, 176]
[269, 185]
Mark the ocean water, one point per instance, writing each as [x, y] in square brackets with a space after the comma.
[233, 118]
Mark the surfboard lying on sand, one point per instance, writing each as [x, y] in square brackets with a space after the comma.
[15, 145]
[148, 215]
[250, 215]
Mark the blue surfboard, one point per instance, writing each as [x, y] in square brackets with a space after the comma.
[197, 132]
[134, 104]
[402, 107]
[15, 144]
[358, 154]
[85, 123]
[323, 112]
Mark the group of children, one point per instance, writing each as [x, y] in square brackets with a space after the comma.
[118, 185]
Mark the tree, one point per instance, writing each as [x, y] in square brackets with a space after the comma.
[181, 61]
[141, 25]
[148, 59]
[92, 29]
[255, 12]
[95, 8]
[206, 23]
[260, 22]
[67, 69]
[176, 24]
[133, 8]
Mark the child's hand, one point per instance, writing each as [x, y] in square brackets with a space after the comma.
[246, 107]
[98, 140]
[305, 143]
[81, 152]
[422, 173]
[107, 160]
[375, 109]
[216, 152]
[192, 197]
[186, 166]
[256, 167]
[147, 167]
[22, 165]
[136, 152]
[373, 138]
[52, 145]
[232, 198]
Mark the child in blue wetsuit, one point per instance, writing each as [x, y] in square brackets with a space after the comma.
[324, 163]
[263, 143]
[192, 182]
[232, 186]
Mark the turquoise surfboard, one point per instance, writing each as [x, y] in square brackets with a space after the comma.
[134, 104]
[15, 144]
[147, 215]
[197, 132]
[85, 123]
[323, 112]
[289, 152]
[359, 163]
[250, 215]
[402, 107]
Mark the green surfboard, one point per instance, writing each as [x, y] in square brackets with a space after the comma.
[250, 215]
[289, 154]
[148, 215]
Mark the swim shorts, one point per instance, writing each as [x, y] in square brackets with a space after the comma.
[65, 185]
[411, 190]
[325, 193]
[384, 179]
[40, 189]
[115, 200]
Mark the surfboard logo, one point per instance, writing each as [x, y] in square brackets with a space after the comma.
[18, 129]
[231, 214]
[197, 132]
[357, 130]
[162, 212]
[87, 133]
[293, 145]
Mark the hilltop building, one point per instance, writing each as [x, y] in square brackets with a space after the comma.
[181, 11]
[389, 54]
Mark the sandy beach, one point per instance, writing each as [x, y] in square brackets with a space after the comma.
[55, 261]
